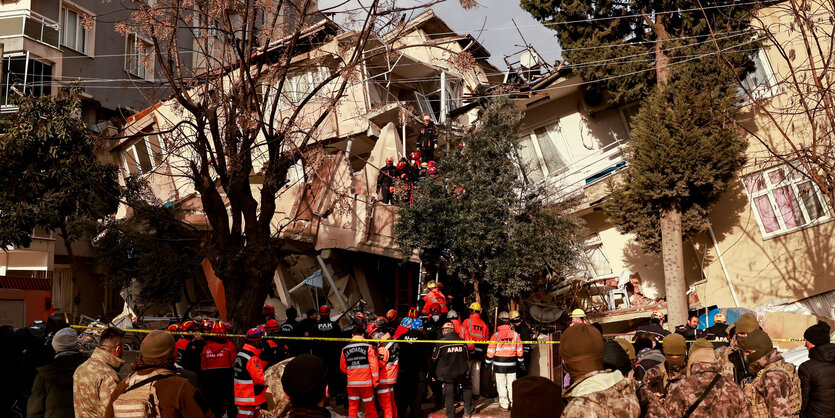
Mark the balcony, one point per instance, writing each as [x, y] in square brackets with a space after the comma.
[26, 23]
[572, 181]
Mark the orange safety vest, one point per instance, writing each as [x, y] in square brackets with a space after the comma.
[434, 296]
[389, 354]
[475, 329]
[505, 355]
[358, 361]
[249, 377]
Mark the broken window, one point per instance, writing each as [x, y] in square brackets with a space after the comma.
[541, 152]
[143, 156]
[760, 82]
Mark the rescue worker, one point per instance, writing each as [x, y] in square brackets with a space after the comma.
[705, 392]
[451, 358]
[270, 350]
[216, 374]
[432, 297]
[452, 316]
[775, 390]
[647, 356]
[427, 139]
[191, 356]
[291, 328]
[388, 352]
[183, 340]
[403, 182]
[526, 334]
[475, 329]
[718, 331]
[391, 316]
[248, 376]
[654, 327]
[594, 392]
[269, 313]
[690, 330]
[385, 181]
[358, 360]
[505, 358]
[414, 366]
[578, 316]
[663, 377]
[433, 324]
[328, 351]
[431, 168]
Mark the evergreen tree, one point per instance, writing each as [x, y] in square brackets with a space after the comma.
[492, 232]
[684, 149]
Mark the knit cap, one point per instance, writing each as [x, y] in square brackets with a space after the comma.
[674, 344]
[157, 345]
[303, 373]
[700, 343]
[818, 334]
[581, 348]
[746, 323]
[701, 352]
[65, 340]
[759, 342]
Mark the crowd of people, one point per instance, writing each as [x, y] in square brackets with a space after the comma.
[195, 369]
[395, 184]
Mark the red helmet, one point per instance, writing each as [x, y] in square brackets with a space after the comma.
[187, 326]
[173, 328]
[254, 334]
[391, 314]
[391, 189]
[435, 308]
[324, 310]
[439, 285]
[413, 313]
[432, 171]
[219, 328]
[414, 156]
[431, 163]
[360, 316]
[206, 326]
[268, 310]
[272, 325]
[401, 165]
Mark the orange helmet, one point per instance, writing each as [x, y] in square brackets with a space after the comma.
[389, 160]
[272, 325]
[657, 315]
[439, 285]
[219, 328]
[391, 314]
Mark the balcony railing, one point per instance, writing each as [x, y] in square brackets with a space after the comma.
[571, 181]
[27, 23]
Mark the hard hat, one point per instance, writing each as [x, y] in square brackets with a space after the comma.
[448, 327]
[391, 314]
[324, 310]
[219, 328]
[424, 165]
[504, 316]
[206, 326]
[255, 334]
[401, 165]
[360, 316]
[413, 313]
[439, 285]
[426, 118]
[451, 314]
[187, 325]
[578, 313]
[406, 323]
[432, 170]
[173, 328]
[431, 284]
[431, 163]
[414, 156]
[272, 325]
[475, 306]
[514, 315]
[417, 323]
[268, 310]
[720, 317]
[389, 160]
[435, 308]
[391, 189]
[657, 315]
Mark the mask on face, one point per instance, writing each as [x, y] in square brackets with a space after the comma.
[754, 368]
[436, 318]
[676, 364]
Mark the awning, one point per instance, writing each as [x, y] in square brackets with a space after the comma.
[24, 283]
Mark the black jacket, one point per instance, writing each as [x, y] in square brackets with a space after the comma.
[655, 329]
[427, 136]
[615, 358]
[817, 382]
[450, 359]
[52, 392]
[386, 177]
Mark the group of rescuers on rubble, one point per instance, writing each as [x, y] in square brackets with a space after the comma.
[395, 184]
[657, 374]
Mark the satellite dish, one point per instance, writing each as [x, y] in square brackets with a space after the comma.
[529, 59]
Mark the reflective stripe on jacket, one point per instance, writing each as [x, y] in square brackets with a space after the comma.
[249, 377]
[505, 355]
[475, 329]
[389, 355]
[434, 296]
[358, 361]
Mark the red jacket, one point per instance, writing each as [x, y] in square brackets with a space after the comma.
[249, 377]
[218, 355]
[359, 361]
[474, 329]
[434, 296]
[505, 355]
[181, 345]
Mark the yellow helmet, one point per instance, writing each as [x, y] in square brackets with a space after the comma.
[514, 315]
[720, 317]
[657, 315]
[475, 306]
[578, 313]
[431, 284]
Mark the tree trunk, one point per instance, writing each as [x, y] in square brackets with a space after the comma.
[476, 290]
[673, 257]
[245, 293]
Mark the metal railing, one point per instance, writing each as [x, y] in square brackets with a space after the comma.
[32, 25]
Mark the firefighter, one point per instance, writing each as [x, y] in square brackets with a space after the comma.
[453, 318]
[268, 312]
[248, 376]
[182, 342]
[451, 360]
[504, 358]
[475, 329]
[358, 361]
[388, 352]
[385, 181]
[526, 334]
[216, 363]
[270, 352]
[427, 139]
[191, 355]
[434, 296]
[403, 181]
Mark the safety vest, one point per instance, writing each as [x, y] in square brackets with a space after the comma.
[359, 362]
[505, 354]
[434, 296]
[756, 399]
[389, 354]
[475, 330]
[217, 355]
[248, 377]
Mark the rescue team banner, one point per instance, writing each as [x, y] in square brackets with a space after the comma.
[346, 339]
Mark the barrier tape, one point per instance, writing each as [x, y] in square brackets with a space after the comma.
[346, 339]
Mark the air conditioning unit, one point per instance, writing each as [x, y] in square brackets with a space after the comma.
[593, 101]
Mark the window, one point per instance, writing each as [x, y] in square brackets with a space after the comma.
[761, 81]
[596, 263]
[73, 33]
[139, 60]
[784, 199]
[143, 156]
[543, 152]
[297, 86]
[23, 75]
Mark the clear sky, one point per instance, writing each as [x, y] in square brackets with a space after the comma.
[499, 36]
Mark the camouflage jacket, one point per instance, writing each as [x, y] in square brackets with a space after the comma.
[94, 382]
[277, 400]
[774, 391]
[725, 398]
[602, 394]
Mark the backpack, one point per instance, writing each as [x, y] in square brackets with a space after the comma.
[140, 398]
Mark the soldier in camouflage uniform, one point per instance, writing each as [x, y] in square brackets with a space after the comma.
[775, 390]
[731, 358]
[662, 378]
[595, 392]
[95, 379]
[276, 398]
[722, 398]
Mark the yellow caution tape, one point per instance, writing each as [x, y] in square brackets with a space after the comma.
[346, 339]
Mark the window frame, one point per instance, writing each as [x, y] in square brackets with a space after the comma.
[793, 180]
[761, 92]
[561, 145]
[131, 148]
[88, 35]
[149, 68]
